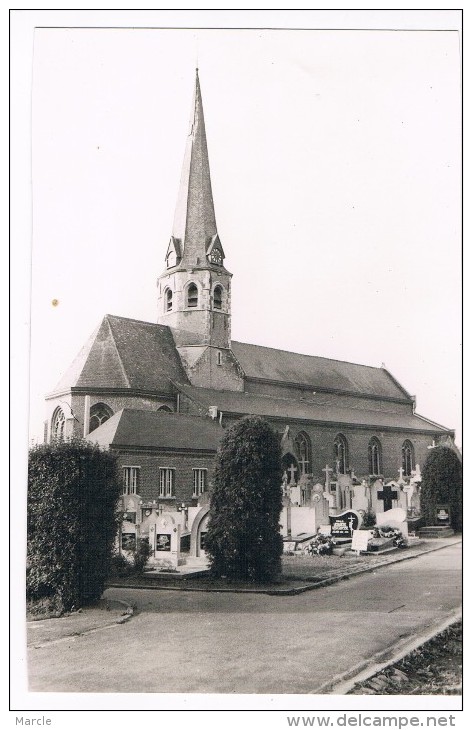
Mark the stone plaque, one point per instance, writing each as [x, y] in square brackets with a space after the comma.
[163, 543]
[344, 524]
[360, 539]
[128, 541]
[443, 515]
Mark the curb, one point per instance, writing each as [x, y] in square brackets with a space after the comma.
[343, 683]
[123, 619]
[289, 591]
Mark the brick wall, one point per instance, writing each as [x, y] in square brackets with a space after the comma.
[150, 462]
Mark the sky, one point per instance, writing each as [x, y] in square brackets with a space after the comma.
[335, 162]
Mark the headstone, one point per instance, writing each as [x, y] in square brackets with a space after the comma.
[164, 538]
[344, 524]
[387, 495]
[394, 518]
[360, 539]
[443, 515]
[360, 499]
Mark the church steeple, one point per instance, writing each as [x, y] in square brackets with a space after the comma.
[195, 240]
[195, 289]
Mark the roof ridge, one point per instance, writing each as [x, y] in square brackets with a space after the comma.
[137, 321]
[303, 354]
[118, 351]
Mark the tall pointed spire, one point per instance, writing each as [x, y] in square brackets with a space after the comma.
[194, 227]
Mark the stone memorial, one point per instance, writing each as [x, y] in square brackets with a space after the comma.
[344, 524]
[388, 495]
[360, 540]
[443, 515]
[395, 518]
[361, 497]
[164, 538]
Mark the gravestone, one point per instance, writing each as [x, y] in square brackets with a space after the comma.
[387, 495]
[360, 540]
[344, 524]
[394, 518]
[164, 538]
[443, 515]
[360, 499]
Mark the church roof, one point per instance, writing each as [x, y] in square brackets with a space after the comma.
[243, 403]
[194, 221]
[158, 430]
[126, 353]
[266, 363]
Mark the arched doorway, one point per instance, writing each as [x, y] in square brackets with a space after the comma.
[198, 532]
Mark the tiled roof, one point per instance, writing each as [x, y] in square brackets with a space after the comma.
[304, 410]
[126, 353]
[316, 372]
[158, 429]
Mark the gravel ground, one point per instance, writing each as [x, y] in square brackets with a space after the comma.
[433, 669]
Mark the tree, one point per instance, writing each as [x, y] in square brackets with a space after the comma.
[243, 539]
[73, 491]
[442, 484]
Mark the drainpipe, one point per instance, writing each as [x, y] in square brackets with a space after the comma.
[86, 415]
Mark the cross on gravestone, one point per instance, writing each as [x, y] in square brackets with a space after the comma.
[400, 471]
[293, 470]
[327, 472]
[387, 495]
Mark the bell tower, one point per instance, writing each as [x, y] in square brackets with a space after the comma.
[194, 290]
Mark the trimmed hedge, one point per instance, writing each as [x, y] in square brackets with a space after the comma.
[243, 539]
[442, 484]
[73, 490]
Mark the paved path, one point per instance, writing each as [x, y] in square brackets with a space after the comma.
[249, 643]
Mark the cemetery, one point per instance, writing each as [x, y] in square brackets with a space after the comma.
[343, 517]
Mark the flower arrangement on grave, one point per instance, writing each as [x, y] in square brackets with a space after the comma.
[321, 545]
[387, 531]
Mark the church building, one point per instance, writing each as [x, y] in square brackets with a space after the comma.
[160, 393]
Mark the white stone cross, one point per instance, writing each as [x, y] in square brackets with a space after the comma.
[400, 471]
[327, 471]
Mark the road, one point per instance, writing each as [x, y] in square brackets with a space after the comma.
[245, 643]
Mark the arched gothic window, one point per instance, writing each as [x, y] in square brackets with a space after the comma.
[58, 425]
[303, 448]
[341, 453]
[217, 297]
[408, 458]
[168, 300]
[192, 296]
[99, 413]
[375, 457]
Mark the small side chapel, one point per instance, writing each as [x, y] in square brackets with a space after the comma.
[160, 393]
